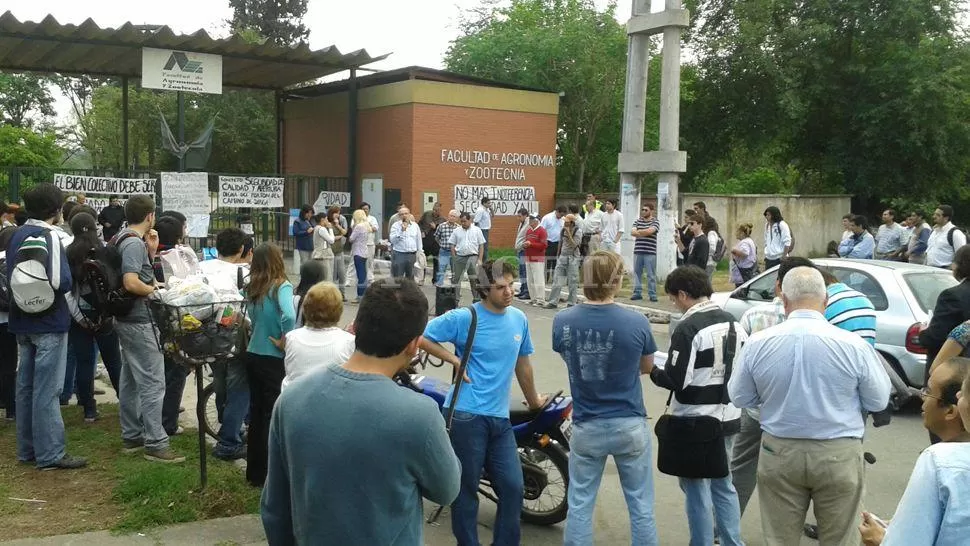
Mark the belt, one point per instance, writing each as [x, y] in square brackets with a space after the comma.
[406, 252]
[467, 255]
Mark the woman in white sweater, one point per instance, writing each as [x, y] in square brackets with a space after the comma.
[320, 342]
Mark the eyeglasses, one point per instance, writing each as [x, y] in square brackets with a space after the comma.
[925, 393]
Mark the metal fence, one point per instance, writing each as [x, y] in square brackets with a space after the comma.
[268, 224]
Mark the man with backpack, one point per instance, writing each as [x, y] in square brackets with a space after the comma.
[39, 277]
[143, 367]
[945, 239]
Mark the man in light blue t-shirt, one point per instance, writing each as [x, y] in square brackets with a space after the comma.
[481, 431]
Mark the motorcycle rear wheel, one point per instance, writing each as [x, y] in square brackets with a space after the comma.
[553, 461]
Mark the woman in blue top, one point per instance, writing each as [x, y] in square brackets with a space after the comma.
[303, 231]
[270, 299]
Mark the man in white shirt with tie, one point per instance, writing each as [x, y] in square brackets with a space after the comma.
[814, 382]
[405, 244]
[467, 251]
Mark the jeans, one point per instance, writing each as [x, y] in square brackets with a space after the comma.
[627, 439]
[485, 252]
[232, 383]
[648, 262]
[567, 272]
[444, 260]
[402, 264]
[8, 371]
[552, 251]
[83, 344]
[40, 429]
[142, 385]
[713, 496]
[265, 380]
[360, 268]
[340, 271]
[486, 442]
[524, 284]
[461, 266]
[174, 389]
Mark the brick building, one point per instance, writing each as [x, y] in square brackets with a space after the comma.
[425, 135]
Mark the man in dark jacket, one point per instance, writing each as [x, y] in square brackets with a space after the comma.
[111, 218]
[698, 249]
[42, 337]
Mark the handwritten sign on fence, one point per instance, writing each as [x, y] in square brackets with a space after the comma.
[328, 199]
[104, 185]
[506, 200]
[250, 191]
[187, 193]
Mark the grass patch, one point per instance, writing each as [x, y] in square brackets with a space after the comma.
[118, 491]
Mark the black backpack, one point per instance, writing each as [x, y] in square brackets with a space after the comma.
[720, 249]
[101, 282]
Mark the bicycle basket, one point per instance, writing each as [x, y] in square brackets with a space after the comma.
[181, 334]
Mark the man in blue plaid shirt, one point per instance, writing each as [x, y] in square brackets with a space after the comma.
[443, 235]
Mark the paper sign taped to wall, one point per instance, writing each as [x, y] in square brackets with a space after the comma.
[506, 200]
[250, 191]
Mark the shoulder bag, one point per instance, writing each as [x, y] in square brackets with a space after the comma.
[693, 447]
[460, 373]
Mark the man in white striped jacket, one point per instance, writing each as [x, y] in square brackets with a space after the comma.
[696, 372]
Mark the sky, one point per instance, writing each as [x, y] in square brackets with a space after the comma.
[415, 33]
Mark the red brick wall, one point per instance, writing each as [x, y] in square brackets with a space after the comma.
[496, 131]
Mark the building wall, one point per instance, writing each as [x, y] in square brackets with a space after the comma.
[814, 219]
[404, 127]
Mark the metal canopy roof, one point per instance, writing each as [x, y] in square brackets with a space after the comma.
[49, 46]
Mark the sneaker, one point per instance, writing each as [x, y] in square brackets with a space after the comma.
[551, 305]
[636, 297]
[524, 298]
[131, 446]
[653, 299]
[67, 462]
[178, 431]
[240, 453]
[92, 417]
[165, 455]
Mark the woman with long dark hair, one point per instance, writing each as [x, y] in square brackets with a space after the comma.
[311, 273]
[778, 237]
[303, 231]
[270, 299]
[87, 326]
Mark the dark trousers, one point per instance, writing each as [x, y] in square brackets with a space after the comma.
[402, 264]
[551, 252]
[771, 263]
[523, 284]
[174, 389]
[82, 343]
[8, 370]
[485, 253]
[265, 380]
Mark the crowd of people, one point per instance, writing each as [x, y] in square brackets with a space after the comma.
[912, 240]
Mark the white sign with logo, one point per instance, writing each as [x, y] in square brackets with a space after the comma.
[506, 200]
[175, 70]
[328, 199]
[188, 193]
[250, 191]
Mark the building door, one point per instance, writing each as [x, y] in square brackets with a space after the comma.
[372, 192]
[392, 197]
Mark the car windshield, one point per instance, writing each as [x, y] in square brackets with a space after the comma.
[927, 287]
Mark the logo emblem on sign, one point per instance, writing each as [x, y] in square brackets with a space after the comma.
[185, 65]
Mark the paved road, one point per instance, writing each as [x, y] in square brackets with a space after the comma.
[896, 448]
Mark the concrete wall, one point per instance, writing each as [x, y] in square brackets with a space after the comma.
[814, 219]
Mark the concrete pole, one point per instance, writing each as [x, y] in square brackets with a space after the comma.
[668, 194]
[634, 125]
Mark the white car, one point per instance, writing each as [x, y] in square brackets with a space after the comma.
[903, 294]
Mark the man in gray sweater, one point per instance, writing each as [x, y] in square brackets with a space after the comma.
[351, 453]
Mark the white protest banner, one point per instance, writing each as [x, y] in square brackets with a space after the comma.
[506, 200]
[187, 193]
[99, 203]
[328, 199]
[250, 191]
[104, 185]
[181, 71]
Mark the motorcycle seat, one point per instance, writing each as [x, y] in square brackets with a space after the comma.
[520, 413]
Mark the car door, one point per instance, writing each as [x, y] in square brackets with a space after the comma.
[759, 290]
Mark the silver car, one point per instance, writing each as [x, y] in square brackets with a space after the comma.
[903, 294]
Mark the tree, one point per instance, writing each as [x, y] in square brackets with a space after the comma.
[22, 147]
[564, 46]
[867, 97]
[279, 21]
[24, 98]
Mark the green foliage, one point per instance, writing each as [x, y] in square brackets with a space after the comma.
[243, 142]
[565, 46]
[24, 99]
[279, 21]
[23, 147]
[867, 97]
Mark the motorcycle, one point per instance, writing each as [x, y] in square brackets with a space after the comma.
[542, 437]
